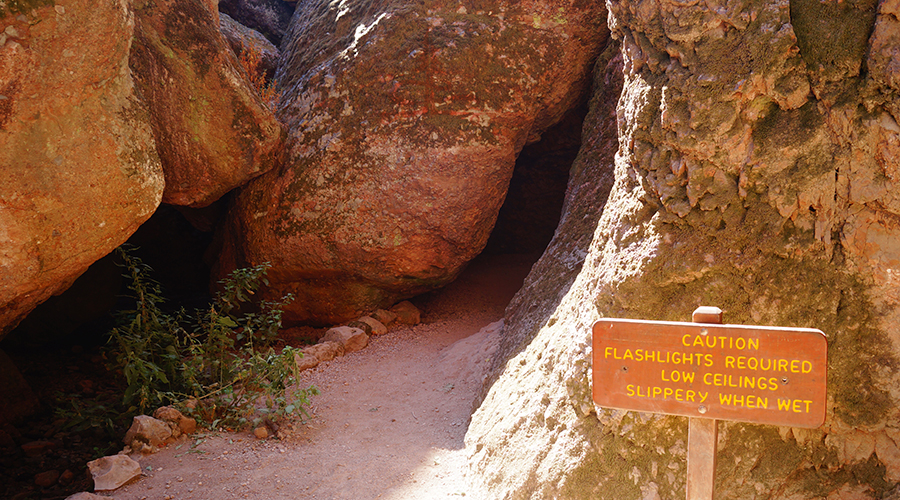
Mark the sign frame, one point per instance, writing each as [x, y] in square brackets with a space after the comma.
[786, 387]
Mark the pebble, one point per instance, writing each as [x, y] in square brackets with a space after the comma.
[47, 478]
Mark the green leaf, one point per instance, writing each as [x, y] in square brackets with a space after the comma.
[227, 321]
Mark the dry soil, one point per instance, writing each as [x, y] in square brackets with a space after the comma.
[389, 423]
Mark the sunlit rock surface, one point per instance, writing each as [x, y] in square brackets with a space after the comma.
[756, 173]
[405, 121]
[79, 170]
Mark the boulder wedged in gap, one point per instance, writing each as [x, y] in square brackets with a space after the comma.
[405, 121]
[213, 131]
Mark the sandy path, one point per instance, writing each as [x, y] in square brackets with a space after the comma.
[389, 423]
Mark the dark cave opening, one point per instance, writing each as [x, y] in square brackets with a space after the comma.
[531, 211]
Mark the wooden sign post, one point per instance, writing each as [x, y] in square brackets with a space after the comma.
[709, 372]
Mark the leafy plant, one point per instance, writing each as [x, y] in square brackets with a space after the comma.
[251, 60]
[220, 357]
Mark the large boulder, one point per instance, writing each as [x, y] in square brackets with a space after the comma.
[79, 170]
[213, 131]
[754, 176]
[405, 121]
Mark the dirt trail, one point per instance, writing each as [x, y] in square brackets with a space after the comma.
[389, 423]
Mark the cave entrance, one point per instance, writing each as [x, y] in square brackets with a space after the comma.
[525, 225]
[530, 214]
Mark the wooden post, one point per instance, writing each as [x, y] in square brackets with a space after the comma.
[703, 433]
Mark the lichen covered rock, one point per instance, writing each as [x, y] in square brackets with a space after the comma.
[79, 170]
[213, 131]
[405, 121]
[754, 174]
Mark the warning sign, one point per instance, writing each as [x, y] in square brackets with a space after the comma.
[755, 374]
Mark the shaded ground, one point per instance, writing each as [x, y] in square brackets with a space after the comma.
[389, 422]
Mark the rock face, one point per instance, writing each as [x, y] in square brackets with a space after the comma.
[756, 174]
[212, 130]
[269, 17]
[79, 170]
[405, 121]
[240, 38]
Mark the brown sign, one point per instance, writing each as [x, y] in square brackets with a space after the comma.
[755, 374]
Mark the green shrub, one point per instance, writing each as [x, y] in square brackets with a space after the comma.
[220, 357]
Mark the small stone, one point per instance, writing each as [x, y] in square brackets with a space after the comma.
[384, 316]
[60, 9]
[261, 432]
[113, 471]
[66, 477]
[370, 325]
[353, 339]
[187, 425]
[85, 496]
[325, 350]
[407, 313]
[6, 440]
[46, 479]
[12, 31]
[305, 361]
[37, 448]
[147, 429]
[179, 423]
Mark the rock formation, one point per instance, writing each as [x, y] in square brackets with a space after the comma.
[269, 17]
[79, 171]
[241, 38]
[756, 173]
[213, 132]
[405, 121]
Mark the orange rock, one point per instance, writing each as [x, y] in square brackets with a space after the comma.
[212, 131]
[401, 153]
[79, 171]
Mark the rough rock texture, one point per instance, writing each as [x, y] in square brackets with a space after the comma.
[79, 170]
[213, 131]
[370, 325]
[405, 120]
[269, 17]
[113, 471]
[147, 429]
[407, 313]
[385, 317]
[756, 173]
[352, 339]
[325, 350]
[240, 38]
[179, 423]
